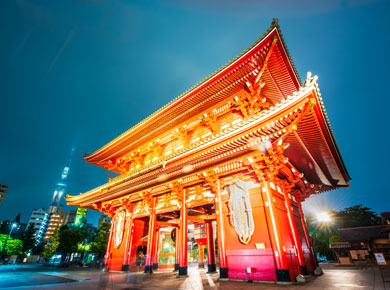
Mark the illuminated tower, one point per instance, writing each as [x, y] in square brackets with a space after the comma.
[56, 215]
[60, 186]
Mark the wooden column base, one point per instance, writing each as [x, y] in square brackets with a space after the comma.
[148, 269]
[282, 275]
[211, 268]
[183, 272]
[223, 273]
[304, 270]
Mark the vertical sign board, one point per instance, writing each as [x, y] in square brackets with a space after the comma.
[81, 211]
[380, 259]
[80, 214]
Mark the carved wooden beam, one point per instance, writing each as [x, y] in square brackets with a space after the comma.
[202, 218]
[211, 178]
[167, 224]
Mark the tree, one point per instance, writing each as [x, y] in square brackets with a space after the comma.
[335, 239]
[13, 247]
[38, 249]
[5, 227]
[356, 216]
[68, 240]
[320, 234]
[99, 245]
[51, 247]
[87, 233]
[321, 247]
[28, 238]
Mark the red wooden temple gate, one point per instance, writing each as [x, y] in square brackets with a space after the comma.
[242, 149]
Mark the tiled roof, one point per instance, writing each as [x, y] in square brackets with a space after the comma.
[274, 25]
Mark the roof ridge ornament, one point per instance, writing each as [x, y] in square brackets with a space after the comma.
[310, 80]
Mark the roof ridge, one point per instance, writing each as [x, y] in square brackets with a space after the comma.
[274, 25]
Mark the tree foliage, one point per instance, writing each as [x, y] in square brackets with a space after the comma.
[321, 247]
[320, 234]
[28, 238]
[99, 245]
[5, 227]
[51, 247]
[335, 239]
[68, 240]
[37, 250]
[356, 216]
[13, 247]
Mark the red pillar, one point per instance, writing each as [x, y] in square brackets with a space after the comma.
[200, 257]
[211, 266]
[177, 247]
[107, 258]
[183, 270]
[128, 241]
[295, 234]
[307, 236]
[282, 272]
[156, 249]
[151, 239]
[223, 268]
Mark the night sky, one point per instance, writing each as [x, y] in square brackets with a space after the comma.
[80, 73]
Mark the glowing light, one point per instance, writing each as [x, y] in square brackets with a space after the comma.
[14, 225]
[323, 217]
[187, 168]
[179, 147]
[236, 121]
[194, 140]
[162, 177]
[264, 146]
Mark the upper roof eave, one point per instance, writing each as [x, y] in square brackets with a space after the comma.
[274, 26]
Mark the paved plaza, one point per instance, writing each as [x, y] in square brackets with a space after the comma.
[38, 277]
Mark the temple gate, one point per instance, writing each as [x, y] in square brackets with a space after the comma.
[241, 150]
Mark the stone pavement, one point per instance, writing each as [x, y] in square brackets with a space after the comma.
[338, 278]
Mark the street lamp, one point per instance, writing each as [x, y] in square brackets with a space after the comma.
[14, 225]
[323, 217]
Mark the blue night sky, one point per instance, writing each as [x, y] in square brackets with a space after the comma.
[79, 73]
